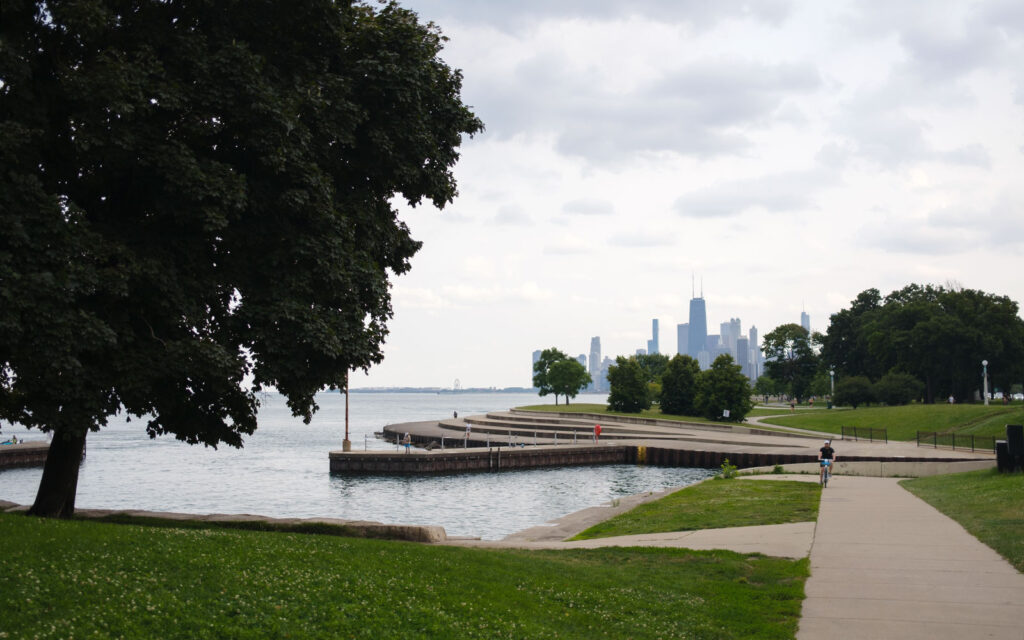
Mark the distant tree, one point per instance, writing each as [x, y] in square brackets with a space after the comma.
[854, 391]
[199, 200]
[679, 386]
[767, 386]
[629, 391]
[653, 365]
[790, 358]
[567, 377]
[723, 387]
[542, 367]
[897, 389]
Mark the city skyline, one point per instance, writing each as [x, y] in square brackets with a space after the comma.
[794, 153]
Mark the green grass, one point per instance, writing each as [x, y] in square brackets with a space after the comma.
[74, 578]
[602, 409]
[987, 503]
[715, 504]
[903, 423]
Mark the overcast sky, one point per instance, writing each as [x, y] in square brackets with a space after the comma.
[790, 154]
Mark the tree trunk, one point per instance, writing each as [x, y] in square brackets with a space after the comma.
[59, 484]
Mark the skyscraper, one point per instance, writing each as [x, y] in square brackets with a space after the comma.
[595, 363]
[698, 328]
[805, 321]
[743, 355]
[755, 355]
[652, 344]
[682, 338]
[536, 357]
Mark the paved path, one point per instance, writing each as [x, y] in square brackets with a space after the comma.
[885, 564]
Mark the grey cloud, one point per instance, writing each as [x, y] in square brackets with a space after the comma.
[589, 207]
[512, 215]
[699, 110]
[891, 138]
[639, 240]
[522, 13]
[780, 192]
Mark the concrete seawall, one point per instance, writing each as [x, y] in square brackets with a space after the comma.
[26, 454]
[474, 459]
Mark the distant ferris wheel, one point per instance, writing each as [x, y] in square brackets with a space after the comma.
[457, 385]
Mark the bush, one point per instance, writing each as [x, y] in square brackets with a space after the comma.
[898, 389]
[854, 391]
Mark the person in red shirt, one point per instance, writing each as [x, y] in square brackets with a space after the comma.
[597, 432]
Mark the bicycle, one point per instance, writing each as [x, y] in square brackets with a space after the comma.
[826, 473]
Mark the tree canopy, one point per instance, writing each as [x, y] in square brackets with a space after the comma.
[938, 335]
[196, 199]
[723, 388]
[567, 377]
[679, 386]
[790, 359]
[628, 383]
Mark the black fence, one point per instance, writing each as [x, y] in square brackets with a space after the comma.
[966, 442]
[864, 433]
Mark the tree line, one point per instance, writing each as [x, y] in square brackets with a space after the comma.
[920, 342]
[636, 382]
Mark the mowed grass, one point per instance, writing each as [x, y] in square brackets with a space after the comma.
[63, 579]
[715, 504]
[903, 423]
[602, 409]
[987, 503]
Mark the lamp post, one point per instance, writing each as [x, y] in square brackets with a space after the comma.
[346, 444]
[832, 381]
[984, 379]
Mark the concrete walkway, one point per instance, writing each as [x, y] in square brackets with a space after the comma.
[885, 564]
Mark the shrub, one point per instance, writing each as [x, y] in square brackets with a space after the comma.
[854, 391]
[898, 389]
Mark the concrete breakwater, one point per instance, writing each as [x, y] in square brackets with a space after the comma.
[25, 454]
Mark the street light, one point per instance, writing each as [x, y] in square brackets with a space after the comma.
[984, 378]
[832, 380]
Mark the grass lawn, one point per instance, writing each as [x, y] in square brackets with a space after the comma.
[602, 409]
[987, 503]
[74, 578]
[903, 423]
[715, 504]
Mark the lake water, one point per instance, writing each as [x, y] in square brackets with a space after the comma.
[283, 471]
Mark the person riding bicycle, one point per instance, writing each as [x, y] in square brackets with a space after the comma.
[826, 453]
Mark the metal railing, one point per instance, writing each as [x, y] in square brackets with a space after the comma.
[864, 433]
[935, 440]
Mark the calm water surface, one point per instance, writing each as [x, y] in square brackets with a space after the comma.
[283, 471]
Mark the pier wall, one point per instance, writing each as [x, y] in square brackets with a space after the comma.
[27, 454]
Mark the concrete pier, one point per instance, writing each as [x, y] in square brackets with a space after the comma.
[25, 454]
[418, 461]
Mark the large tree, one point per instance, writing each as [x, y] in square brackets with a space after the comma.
[721, 388]
[567, 377]
[679, 386]
[939, 335]
[628, 386]
[790, 358]
[197, 204]
[542, 367]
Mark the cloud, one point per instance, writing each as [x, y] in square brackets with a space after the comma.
[639, 240]
[512, 215]
[589, 207]
[571, 246]
[780, 192]
[523, 13]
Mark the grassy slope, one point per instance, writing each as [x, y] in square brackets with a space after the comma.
[903, 423]
[715, 504]
[987, 503]
[581, 407]
[64, 578]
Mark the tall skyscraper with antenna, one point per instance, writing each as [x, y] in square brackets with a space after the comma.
[698, 337]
